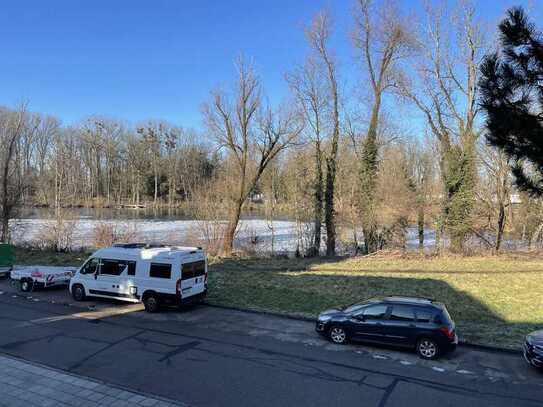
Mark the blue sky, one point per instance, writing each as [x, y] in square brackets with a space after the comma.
[140, 59]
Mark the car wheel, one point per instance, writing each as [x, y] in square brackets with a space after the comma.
[26, 285]
[78, 292]
[338, 335]
[427, 349]
[151, 303]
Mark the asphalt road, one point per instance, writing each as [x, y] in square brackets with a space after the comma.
[207, 356]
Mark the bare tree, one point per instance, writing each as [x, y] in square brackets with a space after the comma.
[383, 38]
[319, 36]
[309, 87]
[495, 191]
[12, 182]
[252, 136]
[446, 94]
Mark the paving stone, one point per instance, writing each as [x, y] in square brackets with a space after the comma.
[27, 385]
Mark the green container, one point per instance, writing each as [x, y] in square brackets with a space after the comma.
[7, 257]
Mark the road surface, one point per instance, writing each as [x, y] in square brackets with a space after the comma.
[207, 356]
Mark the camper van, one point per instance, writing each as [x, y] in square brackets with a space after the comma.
[154, 275]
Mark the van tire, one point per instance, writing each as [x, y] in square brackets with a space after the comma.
[150, 302]
[26, 285]
[78, 292]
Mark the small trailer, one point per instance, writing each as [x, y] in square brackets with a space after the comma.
[32, 277]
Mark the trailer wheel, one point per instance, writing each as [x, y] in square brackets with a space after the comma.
[78, 292]
[27, 284]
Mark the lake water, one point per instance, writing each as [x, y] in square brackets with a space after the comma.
[174, 227]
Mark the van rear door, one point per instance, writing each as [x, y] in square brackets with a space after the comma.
[199, 277]
[193, 278]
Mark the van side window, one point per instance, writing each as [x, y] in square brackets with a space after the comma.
[90, 267]
[112, 267]
[187, 271]
[160, 270]
[131, 268]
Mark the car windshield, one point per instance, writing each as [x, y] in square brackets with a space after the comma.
[354, 306]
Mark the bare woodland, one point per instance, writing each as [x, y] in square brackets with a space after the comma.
[338, 159]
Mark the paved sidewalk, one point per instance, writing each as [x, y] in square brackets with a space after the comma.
[30, 385]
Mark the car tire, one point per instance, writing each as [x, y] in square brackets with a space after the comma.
[78, 292]
[26, 285]
[427, 349]
[337, 335]
[150, 302]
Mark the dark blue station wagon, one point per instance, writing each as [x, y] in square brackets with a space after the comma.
[418, 323]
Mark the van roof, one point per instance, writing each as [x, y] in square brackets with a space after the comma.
[147, 252]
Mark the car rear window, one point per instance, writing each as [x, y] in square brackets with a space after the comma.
[160, 270]
[424, 315]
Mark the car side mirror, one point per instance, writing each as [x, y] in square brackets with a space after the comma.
[96, 274]
[359, 317]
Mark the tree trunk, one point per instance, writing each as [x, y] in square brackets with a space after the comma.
[156, 188]
[420, 224]
[500, 228]
[368, 177]
[318, 204]
[329, 213]
[230, 232]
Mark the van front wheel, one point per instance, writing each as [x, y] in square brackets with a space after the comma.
[78, 292]
[151, 303]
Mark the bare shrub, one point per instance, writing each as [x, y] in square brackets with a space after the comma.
[106, 234]
[59, 235]
[209, 211]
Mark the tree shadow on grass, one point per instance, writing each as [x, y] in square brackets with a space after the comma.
[279, 289]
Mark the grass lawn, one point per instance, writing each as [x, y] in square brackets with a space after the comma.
[25, 256]
[494, 300]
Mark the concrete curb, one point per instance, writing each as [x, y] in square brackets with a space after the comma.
[476, 346]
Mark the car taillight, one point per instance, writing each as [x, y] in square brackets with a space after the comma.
[449, 333]
[178, 287]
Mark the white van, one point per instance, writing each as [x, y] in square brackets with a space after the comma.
[155, 275]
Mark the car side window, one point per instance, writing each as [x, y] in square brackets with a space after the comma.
[90, 266]
[375, 312]
[402, 313]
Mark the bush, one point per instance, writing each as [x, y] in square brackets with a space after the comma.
[106, 234]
